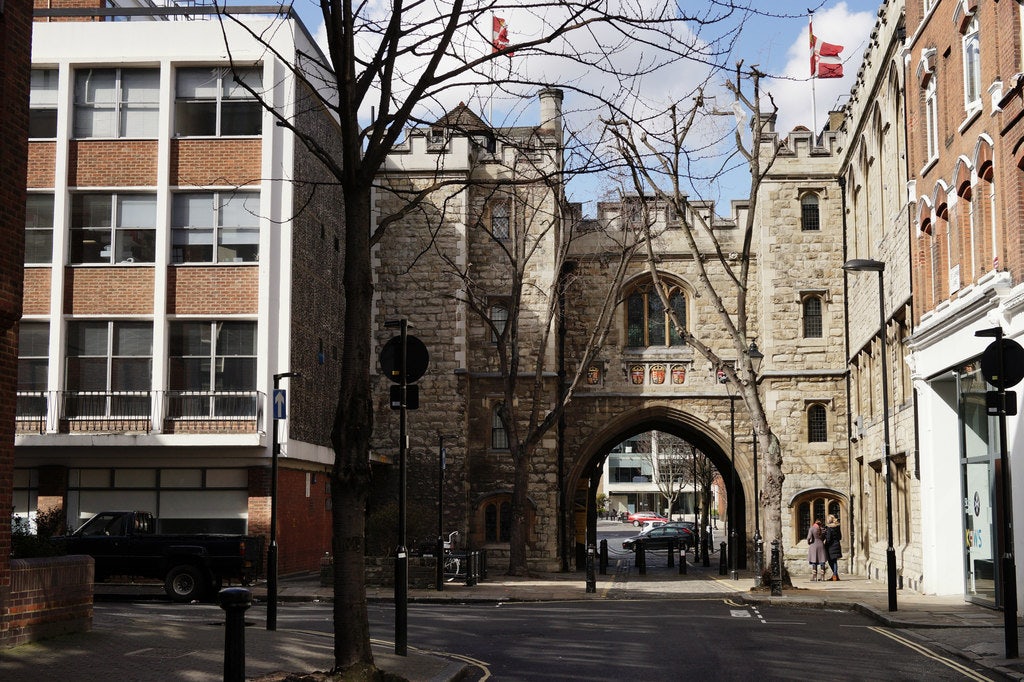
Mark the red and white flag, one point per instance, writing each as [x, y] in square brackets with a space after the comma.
[825, 61]
[499, 35]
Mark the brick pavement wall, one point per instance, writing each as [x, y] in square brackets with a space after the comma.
[15, 43]
[48, 597]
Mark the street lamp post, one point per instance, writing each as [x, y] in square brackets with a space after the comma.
[869, 265]
[401, 554]
[756, 357]
[275, 452]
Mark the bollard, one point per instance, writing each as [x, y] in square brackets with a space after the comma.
[234, 601]
[591, 578]
[471, 569]
[672, 554]
[776, 570]
[723, 559]
[641, 557]
[682, 558]
[603, 558]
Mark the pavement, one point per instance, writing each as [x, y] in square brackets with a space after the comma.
[188, 650]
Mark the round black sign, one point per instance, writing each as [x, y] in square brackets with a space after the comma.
[416, 359]
[1013, 363]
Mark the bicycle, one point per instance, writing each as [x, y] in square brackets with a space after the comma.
[452, 562]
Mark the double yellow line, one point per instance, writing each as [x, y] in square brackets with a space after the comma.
[928, 653]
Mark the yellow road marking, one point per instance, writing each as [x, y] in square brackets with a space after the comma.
[928, 653]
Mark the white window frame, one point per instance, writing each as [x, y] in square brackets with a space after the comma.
[211, 399]
[102, 404]
[38, 229]
[118, 231]
[221, 236]
[129, 117]
[972, 66]
[43, 100]
[931, 115]
[225, 91]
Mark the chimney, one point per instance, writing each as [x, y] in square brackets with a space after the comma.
[551, 111]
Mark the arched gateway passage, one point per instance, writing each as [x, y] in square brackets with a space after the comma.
[699, 422]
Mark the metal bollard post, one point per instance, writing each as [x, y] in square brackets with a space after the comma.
[758, 559]
[591, 578]
[776, 569]
[641, 557]
[682, 558]
[672, 555]
[603, 558]
[723, 559]
[235, 601]
[471, 569]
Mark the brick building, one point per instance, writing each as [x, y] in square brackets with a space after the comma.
[178, 259]
[964, 131]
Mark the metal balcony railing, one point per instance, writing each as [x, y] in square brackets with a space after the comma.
[140, 412]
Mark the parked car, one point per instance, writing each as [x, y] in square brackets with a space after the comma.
[637, 518]
[662, 537]
[646, 526]
[124, 543]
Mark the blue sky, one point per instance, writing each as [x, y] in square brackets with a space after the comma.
[778, 46]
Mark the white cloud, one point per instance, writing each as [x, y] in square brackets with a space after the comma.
[792, 91]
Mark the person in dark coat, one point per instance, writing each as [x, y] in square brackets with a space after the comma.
[816, 556]
[833, 542]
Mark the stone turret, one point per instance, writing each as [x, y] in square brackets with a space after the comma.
[551, 110]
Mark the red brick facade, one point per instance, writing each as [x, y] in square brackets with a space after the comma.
[15, 49]
[215, 162]
[37, 292]
[213, 290]
[41, 157]
[108, 291]
[112, 163]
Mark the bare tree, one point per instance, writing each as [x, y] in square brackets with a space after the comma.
[392, 66]
[658, 160]
[671, 462]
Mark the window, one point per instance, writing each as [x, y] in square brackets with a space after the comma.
[212, 369]
[498, 520]
[108, 365]
[33, 369]
[500, 219]
[116, 102]
[212, 101]
[215, 227]
[499, 318]
[809, 217]
[812, 317]
[647, 320]
[38, 228]
[931, 119]
[113, 228]
[42, 114]
[499, 437]
[817, 424]
[972, 66]
[815, 506]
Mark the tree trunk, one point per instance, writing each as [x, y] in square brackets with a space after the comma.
[520, 499]
[350, 437]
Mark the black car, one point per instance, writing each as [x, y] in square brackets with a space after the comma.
[663, 537]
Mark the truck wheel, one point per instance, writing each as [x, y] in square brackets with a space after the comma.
[184, 583]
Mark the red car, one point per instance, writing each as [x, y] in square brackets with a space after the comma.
[637, 518]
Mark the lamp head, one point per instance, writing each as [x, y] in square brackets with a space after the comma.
[756, 356]
[863, 265]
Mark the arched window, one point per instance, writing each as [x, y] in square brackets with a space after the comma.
[499, 436]
[812, 317]
[810, 220]
[817, 424]
[647, 321]
[815, 506]
[972, 66]
[498, 520]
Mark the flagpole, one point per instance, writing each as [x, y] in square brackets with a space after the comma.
[814, 104]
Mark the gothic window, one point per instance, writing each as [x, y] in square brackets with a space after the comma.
[499, 318]
[810, 220]
[648, 323]
[500, 219]
[816, 506]
[812, 317]
[499, 436]
[931, 119]
[498, 519]
[817, 424]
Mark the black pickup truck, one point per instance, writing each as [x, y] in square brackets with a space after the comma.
[123, 543]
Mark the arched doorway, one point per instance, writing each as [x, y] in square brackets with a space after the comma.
[727, 450]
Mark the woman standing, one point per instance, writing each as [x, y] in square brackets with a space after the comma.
[816, 550]
[833, 546]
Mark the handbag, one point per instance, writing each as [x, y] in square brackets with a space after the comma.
[810, 539]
